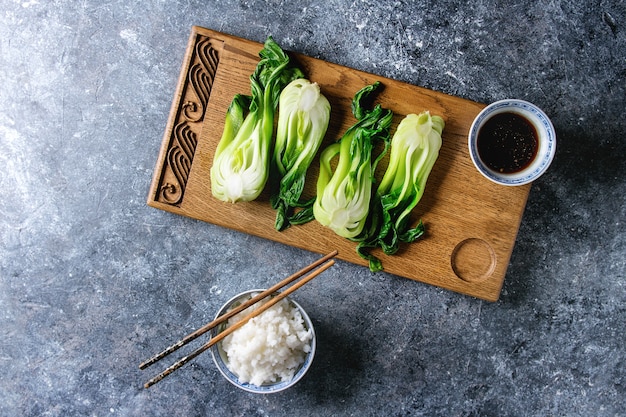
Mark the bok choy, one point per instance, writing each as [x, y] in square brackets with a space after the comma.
[303, 117]
[414, 149]
[241, 161]
[343, 196]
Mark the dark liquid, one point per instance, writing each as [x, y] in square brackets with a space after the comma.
[507, 143]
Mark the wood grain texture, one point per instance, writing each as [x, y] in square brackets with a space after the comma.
[471, 223]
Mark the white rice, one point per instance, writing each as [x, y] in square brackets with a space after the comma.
[270, 347]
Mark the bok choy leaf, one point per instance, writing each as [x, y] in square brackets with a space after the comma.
[343, 195]
[303, 117]
[414, 149]
[241, 162]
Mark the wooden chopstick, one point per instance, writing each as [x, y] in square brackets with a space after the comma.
[202, 330]
[239, 324]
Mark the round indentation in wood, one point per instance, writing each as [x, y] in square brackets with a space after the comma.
[473, 260]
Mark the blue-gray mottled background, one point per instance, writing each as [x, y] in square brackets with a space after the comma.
[92, 281]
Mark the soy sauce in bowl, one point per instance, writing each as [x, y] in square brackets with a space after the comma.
[511, 142]
[507, 142]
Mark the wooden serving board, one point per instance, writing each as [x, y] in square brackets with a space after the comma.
[471, 223]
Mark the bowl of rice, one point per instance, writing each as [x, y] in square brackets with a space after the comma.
[271, 352]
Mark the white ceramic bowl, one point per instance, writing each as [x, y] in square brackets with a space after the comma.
[546, 141]
[221, 360]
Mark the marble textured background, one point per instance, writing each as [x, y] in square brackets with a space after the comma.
[92, 281]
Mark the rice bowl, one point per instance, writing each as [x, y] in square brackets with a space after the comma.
[271, 352]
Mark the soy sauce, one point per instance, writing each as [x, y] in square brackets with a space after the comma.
[507, 143]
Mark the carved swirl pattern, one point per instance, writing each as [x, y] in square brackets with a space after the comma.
[179, 158]
[201, 76]
[188, 125]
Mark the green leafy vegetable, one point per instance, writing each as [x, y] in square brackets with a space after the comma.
[241, 162]
[343, 196]
[303, 119]
[414, 149]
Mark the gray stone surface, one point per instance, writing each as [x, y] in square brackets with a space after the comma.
[92, 281]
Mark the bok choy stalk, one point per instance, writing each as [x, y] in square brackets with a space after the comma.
[303, 116]
[241, 162]
[343, 196]
[414, 149]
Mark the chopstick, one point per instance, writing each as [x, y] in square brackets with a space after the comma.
[237, 325]
[226, 316]
[202, 330]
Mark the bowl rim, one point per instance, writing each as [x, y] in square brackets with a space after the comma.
[547, 139]
[231, 377]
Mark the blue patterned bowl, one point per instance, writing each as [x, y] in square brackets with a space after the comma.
[221, 359]
[546, 138]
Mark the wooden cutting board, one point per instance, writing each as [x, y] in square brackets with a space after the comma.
[471, 223]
